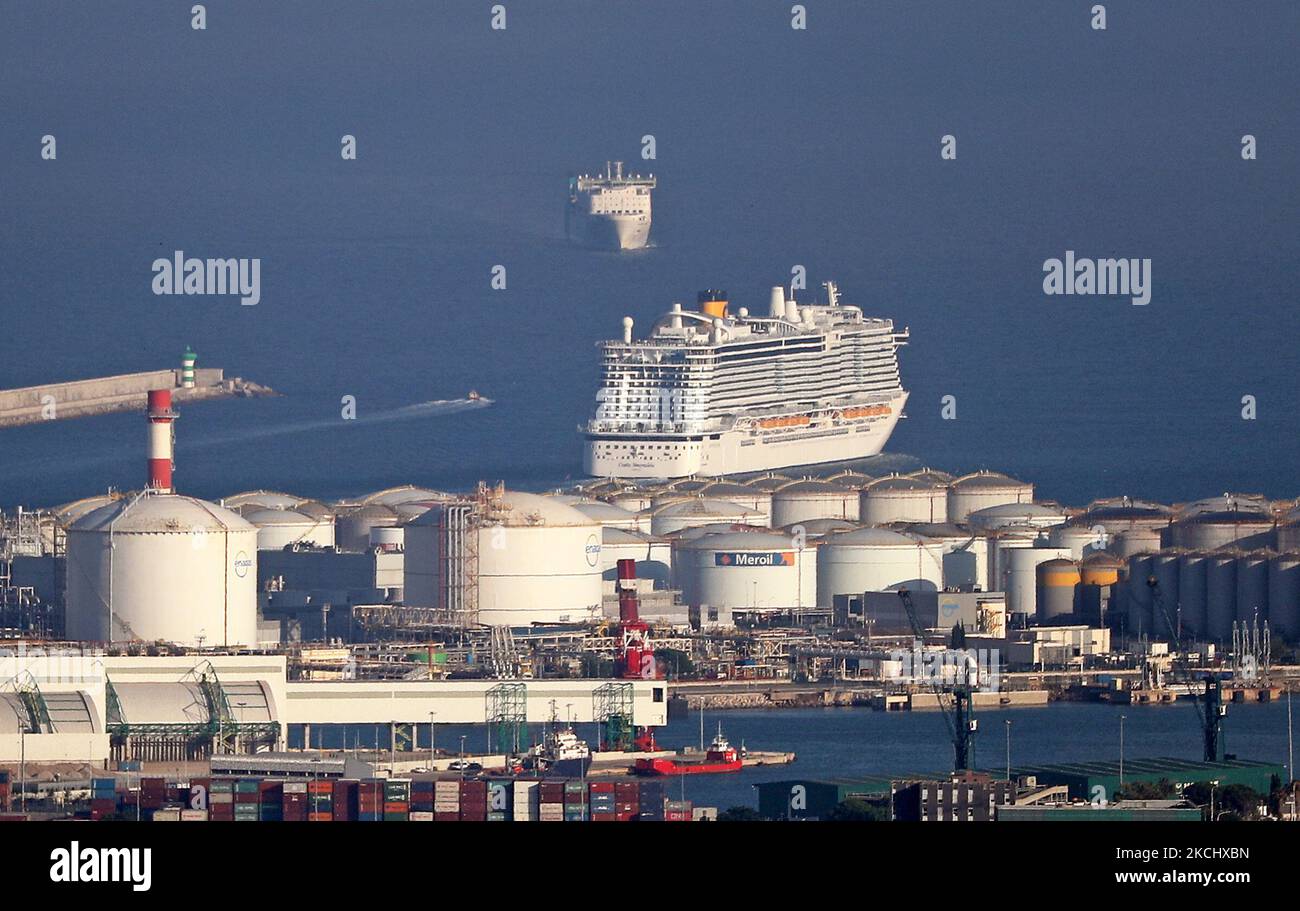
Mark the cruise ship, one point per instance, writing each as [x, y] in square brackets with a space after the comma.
[711, 392]
[609, 211]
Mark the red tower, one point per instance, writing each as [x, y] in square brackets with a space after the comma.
[637, 659]
[160, 440]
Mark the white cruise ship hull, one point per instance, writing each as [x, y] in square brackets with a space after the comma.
[745, 449]
[611, 232]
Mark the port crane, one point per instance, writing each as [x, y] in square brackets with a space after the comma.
[1213, 711]
[960, 717]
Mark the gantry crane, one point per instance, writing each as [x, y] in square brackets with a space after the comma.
[960, 718]
[1213, 711]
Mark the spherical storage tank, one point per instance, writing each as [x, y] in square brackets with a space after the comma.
[162, 567]
[973, 492]
[281, 528]
[876, 560]
[679, 514]
[802, 501]
[741, 570]
[538, 560]
[898, 498]
[1057, 581]
[1284, 596]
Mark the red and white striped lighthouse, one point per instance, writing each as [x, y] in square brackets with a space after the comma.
[160, 440]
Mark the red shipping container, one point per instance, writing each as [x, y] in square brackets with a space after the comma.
[604, 817]
[446, 817]
[602, 787]
[320, 817]
[629, 790]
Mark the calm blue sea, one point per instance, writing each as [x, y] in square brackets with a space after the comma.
[774, 148]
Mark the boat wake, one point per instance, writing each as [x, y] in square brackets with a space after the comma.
[417, 411]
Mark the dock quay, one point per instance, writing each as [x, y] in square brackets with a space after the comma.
[124, 392]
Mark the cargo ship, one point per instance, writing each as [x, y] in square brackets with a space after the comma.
[720, 757]
[561, 753]
[718, 392]
[609, 211]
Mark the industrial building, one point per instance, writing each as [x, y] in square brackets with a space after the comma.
[78, 708]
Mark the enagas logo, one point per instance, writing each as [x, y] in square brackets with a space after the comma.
[242, 564]
[593, 550]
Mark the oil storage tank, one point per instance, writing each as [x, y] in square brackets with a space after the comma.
[653, 556]
[983, 489]
[160, 566]
[1142, 521]
[1245, 529]
[995, 518]
[965, 555]
[281, 528]
[1191, 593]
[610, 516]
[1022, 577]
[875, 560]
[1220, 595]
[505, 558]
[1138, 540]
[1141, 611]
[1058, 583]
[898, 498]
[1252, 587]
[1284, 596]
[352, 525]
[1080, 540]
[1165, 567]
[740, 570]
[803, 501]
[750, 497]
[687, 513]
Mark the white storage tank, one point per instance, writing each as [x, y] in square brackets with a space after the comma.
[607, 515]
[1191, 593]
[679, 514]
[898, 498]
[802, 501]
[995, 518]
[1138, 540]
[932, 474]
[820, 528]
[742, 570]
[352, 527]
[1022, 577]
[388, 540]
[1288, 536]
[876, 560]
[1252, 587]
[538, 560]
[1221, 595]
[768, 482]
[1212, 530]
[278, 529]
[982, 489]
[1141, 608]
[1000, 547]
[758, 500]
[263, 499]
[653, 556]
[1141, 520]
[406, 493]
[1284, 596]
[965, 554]
[162, 567]
[631, 498]
[1080, 540]
[1165, 567]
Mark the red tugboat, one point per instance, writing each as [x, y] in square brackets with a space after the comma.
[720, 757]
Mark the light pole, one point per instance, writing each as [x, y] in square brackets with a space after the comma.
[22, 769]
[1008, 723]
[1121, 750]
[431, 750]
[462, 757]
